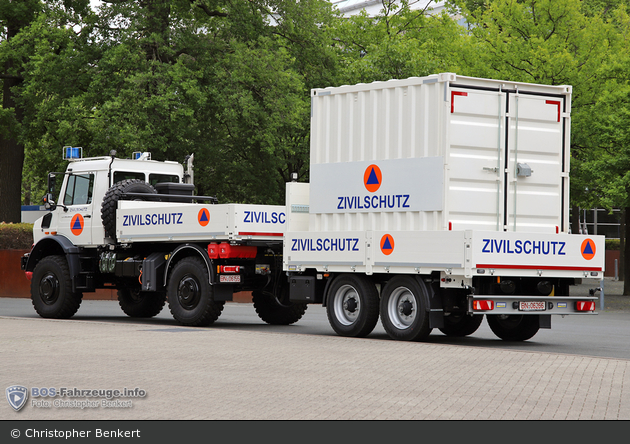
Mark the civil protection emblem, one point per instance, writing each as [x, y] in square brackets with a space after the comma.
[17, 396]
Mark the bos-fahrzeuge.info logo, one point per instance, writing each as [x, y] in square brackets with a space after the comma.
[17, 396]
[48, 397]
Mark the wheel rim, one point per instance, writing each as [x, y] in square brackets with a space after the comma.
[49, 288]
[347, 305]
[188, 292]
[402, 308]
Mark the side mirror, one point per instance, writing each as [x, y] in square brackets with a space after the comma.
[49, 203]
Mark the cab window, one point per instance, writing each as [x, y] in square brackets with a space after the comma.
[159, 178]
[79, 189]
[124, 175]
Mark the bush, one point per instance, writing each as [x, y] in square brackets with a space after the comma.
[612, 244]
[16, 236]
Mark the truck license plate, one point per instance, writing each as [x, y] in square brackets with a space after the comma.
[532, 306]
[230, 278]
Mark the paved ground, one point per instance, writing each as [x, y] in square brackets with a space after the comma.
[222, 374]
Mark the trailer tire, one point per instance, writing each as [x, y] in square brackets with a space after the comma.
[51, 289]
[141, 304]
[113, 195]
[459, 325]
[352, 306]
[190, 295]
[514, 327]
[277, 310]
[404, 312]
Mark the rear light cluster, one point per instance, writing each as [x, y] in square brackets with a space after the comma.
[487, 305]
[227, 251]
[585, 305]
[481, 305]
[228, 268]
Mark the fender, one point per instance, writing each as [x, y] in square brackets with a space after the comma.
[328, 282]
[55, 245]
[52, 245]
[189, 250]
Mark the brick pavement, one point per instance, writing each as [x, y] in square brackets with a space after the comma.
[211, 373]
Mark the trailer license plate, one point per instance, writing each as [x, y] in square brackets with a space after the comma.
[230, 278]
[532, 306]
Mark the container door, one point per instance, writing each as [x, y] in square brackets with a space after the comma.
[476, 161]
[534, 171]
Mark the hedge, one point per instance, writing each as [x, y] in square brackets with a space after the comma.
[16, 236]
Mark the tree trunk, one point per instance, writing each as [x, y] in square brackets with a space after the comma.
[11, 151]
[575, 219]
[626, 253]
[622, 244]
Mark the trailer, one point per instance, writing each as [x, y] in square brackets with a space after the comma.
[435, 201]
[432, 202]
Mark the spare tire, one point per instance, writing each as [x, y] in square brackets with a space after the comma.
[114, 194]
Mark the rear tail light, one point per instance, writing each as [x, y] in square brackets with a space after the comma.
[481, 305]
[227, 251]
[585, 305]
[229, 268]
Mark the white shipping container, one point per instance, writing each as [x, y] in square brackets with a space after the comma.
[442, 152]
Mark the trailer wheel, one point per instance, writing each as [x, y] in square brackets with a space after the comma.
[514, 327]
[141, 304]
[461, 324]
[190, 296]
[113, 195]
[277, 310]
[51, 289]
[352, 306]
[404, 313]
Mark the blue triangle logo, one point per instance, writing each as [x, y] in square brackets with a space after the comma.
[203, 217]
[588, 249]
[386, 244]
[372, 179]
[77, 224]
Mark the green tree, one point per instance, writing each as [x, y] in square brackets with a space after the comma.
[397, 43]
[14, 18]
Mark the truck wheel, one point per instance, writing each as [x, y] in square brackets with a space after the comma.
[51, 289]
[404, 312]
[113, 195]
[277, 310]
[514, 327]
[190, 294]
[352, 306]
[141, 304]
[461, 324]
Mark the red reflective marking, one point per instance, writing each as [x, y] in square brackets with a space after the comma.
[247, 233]
[555, 102]
[538, 267]
[453, 94]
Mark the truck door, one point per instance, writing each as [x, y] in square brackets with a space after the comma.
[77, 197]
[536, 178]
[507, 169]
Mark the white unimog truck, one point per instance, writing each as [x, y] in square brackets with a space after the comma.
[432, 202]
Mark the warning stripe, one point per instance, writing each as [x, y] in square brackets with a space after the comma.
[538, 267]
[247, 233]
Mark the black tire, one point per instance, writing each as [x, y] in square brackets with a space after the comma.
[514, 327]
[190, 295]
[113, 195]
[404, 311]
[278, 309]
[352, 306]
[461, 324]
[141, 304]
[51, 289]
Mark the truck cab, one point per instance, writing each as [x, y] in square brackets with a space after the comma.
[76, 213]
